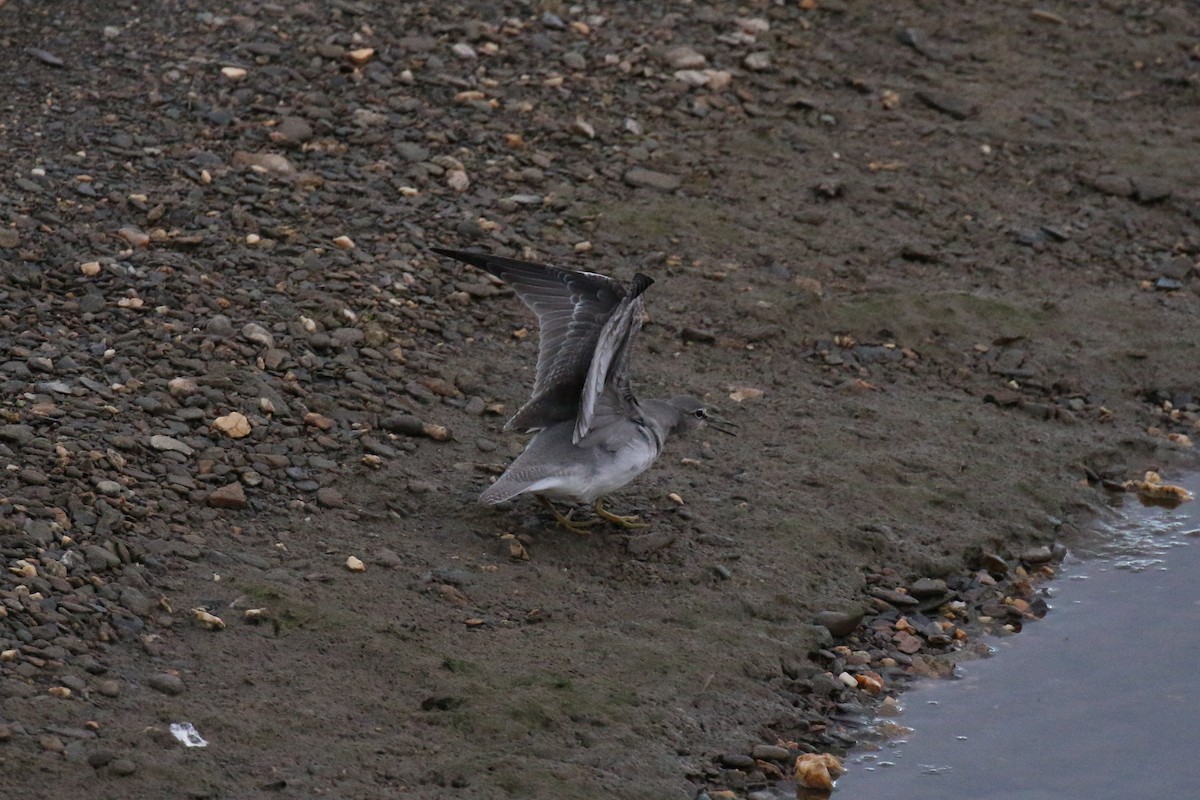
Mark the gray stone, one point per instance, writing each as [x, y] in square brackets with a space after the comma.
[770, 752]
[839, 623]
[231, 496]
[166, 683]
[162, 442]
[684, 57]
[256, 334]
[99, 558]
[927, 587]
[649, 179]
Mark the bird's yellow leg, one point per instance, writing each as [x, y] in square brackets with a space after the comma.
[625, 522]
[565, 521]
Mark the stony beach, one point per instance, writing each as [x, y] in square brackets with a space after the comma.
[939, 264]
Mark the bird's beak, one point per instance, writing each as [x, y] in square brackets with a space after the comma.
[721, 424]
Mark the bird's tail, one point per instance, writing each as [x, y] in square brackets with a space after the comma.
[498, 492]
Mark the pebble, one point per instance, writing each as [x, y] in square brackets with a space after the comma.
[266, 163]
[895, 598]
[292, 130]
[51, 744]
[758, 61]
[166, 683]
[386, 557]
[181, 387]
[122, 767]
[1041, 554]
[329, 497]
[737, 761]
[230, 496]
[770, 752]
[949, 104]
[994, 564]
[256, 334]
[169, 443]
[100, 558]
[839, 623]
[684, 57]
[235, 425]
[928, 587]
[649, 179]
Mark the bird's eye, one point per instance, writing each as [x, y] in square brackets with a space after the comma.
[700, 413]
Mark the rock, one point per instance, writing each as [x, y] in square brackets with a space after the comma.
[256, 334]
[737, 761]
[839, 623]
[100, 558]
[923, 588]
[266, 163]
[161, 442]
[817, 770]
[1148, 190]
[122, 767]
[949, 104]
[292, 131]
[1115, 185]
[758, 61]
[684, 57]
[770, 752]
[649, 179]
[994, 564]
[386, 557]
[219, 325]
[230, 496]
[891, 596]
[1041, 554]
[907, 643]
[183, 387]
[166, 682]
[234, 425]
[329, 497]
[19, 435]
[698, 336]
[51, 744]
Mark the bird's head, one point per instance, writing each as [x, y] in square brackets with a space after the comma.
[695, 414]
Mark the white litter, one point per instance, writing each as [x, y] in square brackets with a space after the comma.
[187, 733]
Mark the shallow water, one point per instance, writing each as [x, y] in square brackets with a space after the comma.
[1099, 700]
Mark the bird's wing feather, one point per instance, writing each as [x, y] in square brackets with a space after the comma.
[607, 388]
[572, 308]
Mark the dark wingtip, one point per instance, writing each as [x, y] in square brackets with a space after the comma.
[641, 282]
[460, 255]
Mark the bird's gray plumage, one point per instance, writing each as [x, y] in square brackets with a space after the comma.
[592, 433]
[576, 311]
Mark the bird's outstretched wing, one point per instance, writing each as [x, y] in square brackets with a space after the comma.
[574, 310]
[607, 389]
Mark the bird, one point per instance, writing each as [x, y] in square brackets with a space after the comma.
[592, 435]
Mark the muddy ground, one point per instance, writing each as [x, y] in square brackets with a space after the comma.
[939, 262]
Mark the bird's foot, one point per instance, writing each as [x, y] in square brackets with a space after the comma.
[631, 521]
[582, 528]
[565, 521]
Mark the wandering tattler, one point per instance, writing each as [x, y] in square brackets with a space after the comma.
[593, 434]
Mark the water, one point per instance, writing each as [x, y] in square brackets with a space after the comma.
[1099, 700]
